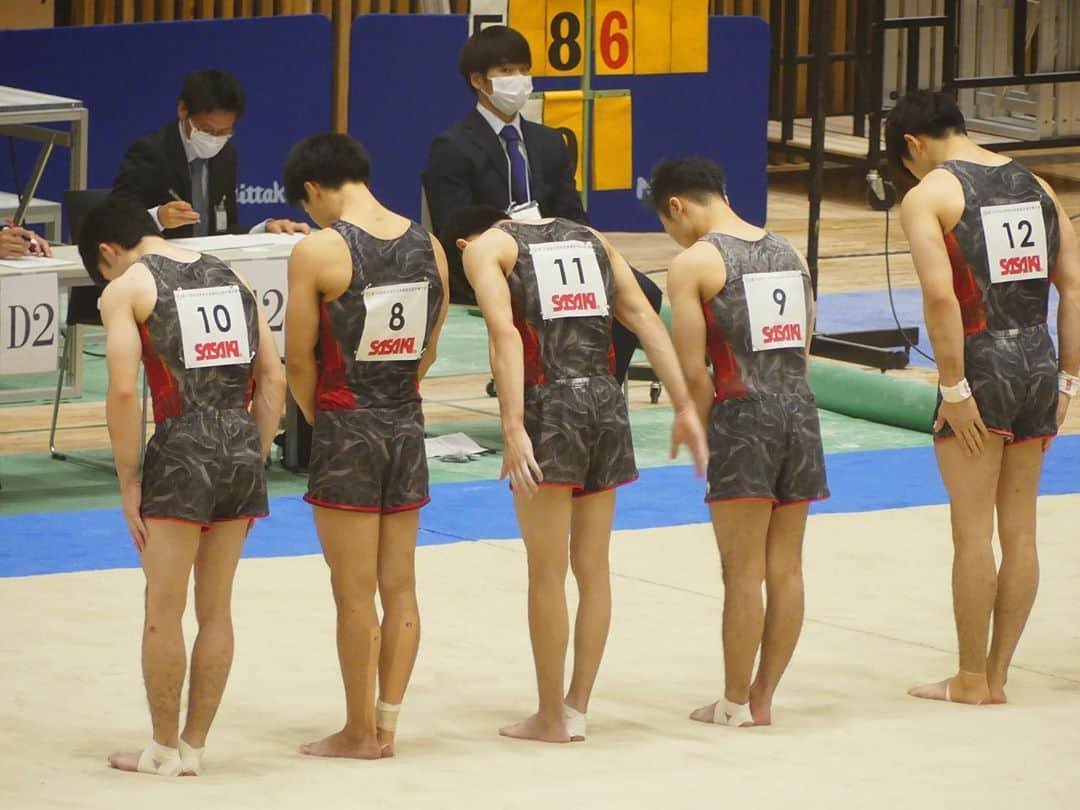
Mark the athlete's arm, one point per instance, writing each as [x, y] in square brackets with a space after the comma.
[269, 395]
[811, 311]
[302, 318]
[1066, 278]
[920, 216]
[688, 330]
[486, 262]
[431, 352]
[633, 310]
[123, 411]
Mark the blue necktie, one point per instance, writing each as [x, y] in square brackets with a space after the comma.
[198, 196]
[519, 170]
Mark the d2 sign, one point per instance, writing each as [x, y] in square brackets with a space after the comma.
[29, 323]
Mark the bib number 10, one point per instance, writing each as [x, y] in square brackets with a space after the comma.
[213, 327]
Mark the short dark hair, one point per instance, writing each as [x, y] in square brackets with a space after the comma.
[121, 219]
[491, 47]
[462, 224]
[695, 178]
[920, 112]
[331, 160]
[209, 90]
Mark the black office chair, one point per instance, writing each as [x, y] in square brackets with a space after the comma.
[82, 311]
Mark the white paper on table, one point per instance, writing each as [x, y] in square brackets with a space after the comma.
[452, 444]
[209, 244]
[33, 263]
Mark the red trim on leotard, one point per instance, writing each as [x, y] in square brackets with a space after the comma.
[729, 381]
[164, 388]
[530, 350]
[966, 288]
[332, 392]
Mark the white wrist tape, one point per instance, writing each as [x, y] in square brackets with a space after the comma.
[1068, 384]
[956, 393]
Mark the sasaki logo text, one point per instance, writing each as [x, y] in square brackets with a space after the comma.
[782, 332]
[572, 302]
[260, 195]
[1021, 265]
[217, 350]
[393, 346]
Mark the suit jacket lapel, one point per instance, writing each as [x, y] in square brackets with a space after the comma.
[488, 142]
[174, 151]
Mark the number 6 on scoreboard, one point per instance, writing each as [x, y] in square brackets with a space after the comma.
[614, 37]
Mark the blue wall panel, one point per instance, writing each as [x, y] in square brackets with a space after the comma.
[129, 77]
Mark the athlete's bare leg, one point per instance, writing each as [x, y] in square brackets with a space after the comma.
[401, 615]
[590, 543]
[784, 605]
[350, 542]
[741, 529]
[544, 520]
[166, 561]
[1018, 577]
[972, 484]
[212, 655]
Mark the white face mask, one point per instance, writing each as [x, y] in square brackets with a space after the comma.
[205, 145]
[509, 93]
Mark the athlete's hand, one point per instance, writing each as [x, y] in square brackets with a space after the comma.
[966, 423]
[176, 213]
[1062, 409]
[287, 226]
[131, 501]
[519, 462]
[686, 430]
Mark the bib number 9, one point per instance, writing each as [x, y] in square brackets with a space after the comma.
[776, 305]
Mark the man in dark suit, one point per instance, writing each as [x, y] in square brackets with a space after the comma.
[493, 156]
[185, 173]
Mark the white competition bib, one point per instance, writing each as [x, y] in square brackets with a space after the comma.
[1015, 241]
[213, 328]
[776, 304]
[396, 322]
[569, 281]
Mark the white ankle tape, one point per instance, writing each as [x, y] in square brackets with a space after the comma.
[727, 713]
[159, 759]
[386, 715]
[191, 758]
[575, 721]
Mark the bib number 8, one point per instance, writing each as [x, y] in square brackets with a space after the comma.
[397, 317]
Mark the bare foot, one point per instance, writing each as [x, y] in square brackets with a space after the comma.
[125, 760]
[760, 707]
[962, 688]
[386, 742]
[997, 691]
[536, 728]
[707, 714]
[344, 745]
